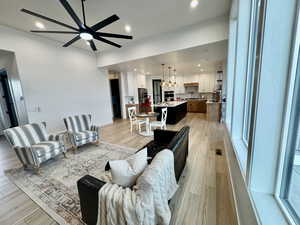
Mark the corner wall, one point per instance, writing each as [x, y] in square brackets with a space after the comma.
[57, 81]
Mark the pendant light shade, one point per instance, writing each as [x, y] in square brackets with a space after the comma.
[174, 82]
[169, 82]
[163, 82]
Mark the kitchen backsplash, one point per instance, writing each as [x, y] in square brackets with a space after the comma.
[204, 95]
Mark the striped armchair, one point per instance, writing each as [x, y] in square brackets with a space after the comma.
[33, 145]
[81, 131]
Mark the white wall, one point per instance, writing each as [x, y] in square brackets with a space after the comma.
[61, 81]
[187, 37]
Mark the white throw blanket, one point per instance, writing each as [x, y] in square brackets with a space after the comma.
[148, 204]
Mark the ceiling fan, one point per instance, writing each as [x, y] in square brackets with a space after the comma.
[87, 33]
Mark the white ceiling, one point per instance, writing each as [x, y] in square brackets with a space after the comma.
[186, 61]
[146, 17]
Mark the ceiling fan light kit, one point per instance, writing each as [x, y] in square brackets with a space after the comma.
[87, 33]
[86, 36]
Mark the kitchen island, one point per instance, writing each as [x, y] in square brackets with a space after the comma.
[176, 110]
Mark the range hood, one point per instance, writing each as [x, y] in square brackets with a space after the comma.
[194, 84]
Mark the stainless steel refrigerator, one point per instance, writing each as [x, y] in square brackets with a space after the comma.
[142, 95]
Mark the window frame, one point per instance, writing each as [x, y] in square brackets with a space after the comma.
[252, 46]
[290, 114]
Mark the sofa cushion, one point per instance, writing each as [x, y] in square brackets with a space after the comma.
[85, 135]
[125, 172]
[46, 147]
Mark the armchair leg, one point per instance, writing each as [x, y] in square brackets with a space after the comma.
[74, 149]
[97, 142]
[37, 170]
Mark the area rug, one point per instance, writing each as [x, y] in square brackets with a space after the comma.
[55, 189]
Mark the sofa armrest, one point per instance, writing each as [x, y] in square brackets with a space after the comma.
[57, 137]
[88, 189]
[164, 136]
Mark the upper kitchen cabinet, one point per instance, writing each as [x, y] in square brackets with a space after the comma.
[131, 84]
[212, 79]
[207, 82]
[202, 83]
[141, 81]
[191, 78]
[179, 89]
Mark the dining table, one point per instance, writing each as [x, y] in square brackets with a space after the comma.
[147, 116]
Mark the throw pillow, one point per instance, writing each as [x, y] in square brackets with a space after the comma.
[125, 172]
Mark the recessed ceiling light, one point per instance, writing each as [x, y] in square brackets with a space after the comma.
[127, 28]
[135, 69]
[199, 65]
[194, 3]
[39, 25]
[148, 73]
[86, 36]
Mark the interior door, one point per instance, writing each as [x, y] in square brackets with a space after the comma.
[115, 98]
[8, 117]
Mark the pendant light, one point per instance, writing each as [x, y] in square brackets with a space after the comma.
[174, 82]
[163, 83]
[169, 82]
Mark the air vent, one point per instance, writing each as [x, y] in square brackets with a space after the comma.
[219, 152]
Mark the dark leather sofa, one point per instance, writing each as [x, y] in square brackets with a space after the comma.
[88, 186]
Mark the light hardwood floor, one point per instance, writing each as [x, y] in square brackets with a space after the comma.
[204, 196]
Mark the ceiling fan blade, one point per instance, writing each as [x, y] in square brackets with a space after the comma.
[71, 12]
[54, 32]
[93, 46]
[107, 41]
[105, 22]
[83, 11]
[72, 41]
[48, 19]
[114, 35]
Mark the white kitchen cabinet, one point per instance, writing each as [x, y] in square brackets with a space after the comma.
[201, 83]
[141, 81]
[179, 89]
[131, 84]
[207, 82]
[191, 78]
[211, 83]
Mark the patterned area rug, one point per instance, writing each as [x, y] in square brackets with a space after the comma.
[55, 189]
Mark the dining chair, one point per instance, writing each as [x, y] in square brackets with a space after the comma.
[162, 124]
[133, 119]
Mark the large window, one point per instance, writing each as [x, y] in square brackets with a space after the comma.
[290, 186]
[254, 58]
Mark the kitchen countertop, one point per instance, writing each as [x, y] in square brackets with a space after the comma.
[212, 102]
[196, 99]
[169, 104]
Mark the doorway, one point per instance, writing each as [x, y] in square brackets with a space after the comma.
[157, 91]
[7, 111]
[115, 98]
